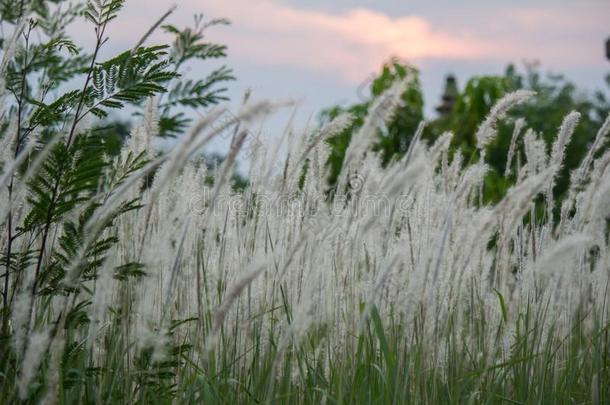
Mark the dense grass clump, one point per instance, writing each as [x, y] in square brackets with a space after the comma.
[136, 276]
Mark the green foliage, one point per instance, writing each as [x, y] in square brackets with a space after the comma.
[471, 108]
[67, 178]
[395, 138]
[198, 93]
[556, 97]
[61, 235]
[129, 77]
[189, 45]
[101, 12]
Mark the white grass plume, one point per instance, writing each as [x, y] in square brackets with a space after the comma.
[487, 131]
[519, 124]
[382, 109]
[37, 348]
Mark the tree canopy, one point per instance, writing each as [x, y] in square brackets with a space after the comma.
[462, 110]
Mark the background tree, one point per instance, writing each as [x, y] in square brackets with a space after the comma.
[461, 112]
[556, 97]
[395, 137]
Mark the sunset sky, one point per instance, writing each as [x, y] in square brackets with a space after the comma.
[319, 52]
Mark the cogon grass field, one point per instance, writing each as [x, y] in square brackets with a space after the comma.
[148, 277]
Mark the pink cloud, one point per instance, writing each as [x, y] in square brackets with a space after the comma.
[354, 43]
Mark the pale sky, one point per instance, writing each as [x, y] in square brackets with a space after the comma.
[319, 52]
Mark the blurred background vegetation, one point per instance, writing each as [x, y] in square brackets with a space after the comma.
[461, 110]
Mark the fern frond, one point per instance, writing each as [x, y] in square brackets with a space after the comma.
[102, 12]
[81, 165]
[129, 78]
[200, 93]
